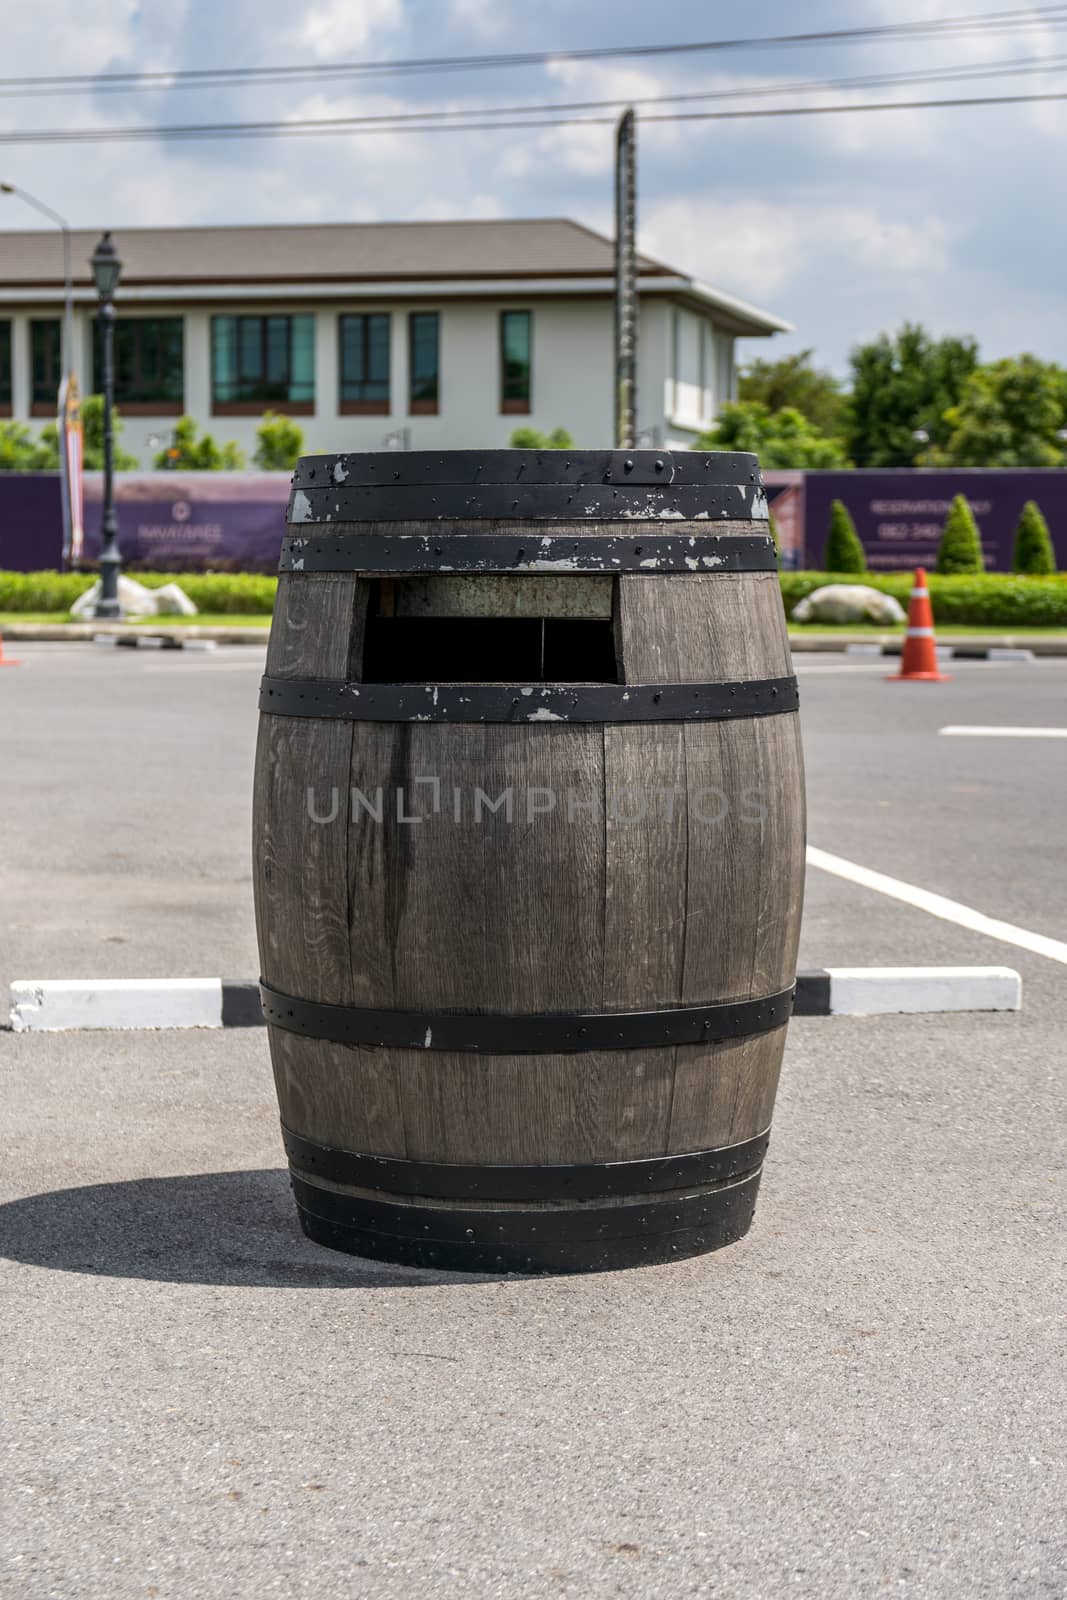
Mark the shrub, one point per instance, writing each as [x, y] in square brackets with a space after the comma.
[20, 451]
[979, 600]
[533, 439]
[772, 529]
[244, 593]
[92, 417]
[960, 549]
[279, 443]
[189, 454]
[983, 600]
[42, 591]
[844, 552]
[1033, 552]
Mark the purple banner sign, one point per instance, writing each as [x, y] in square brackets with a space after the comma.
[31, 522]
[193, 521]
[168, 521]
[900, 515]
[234, 521]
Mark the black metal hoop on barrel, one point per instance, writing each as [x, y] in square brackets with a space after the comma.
[543, 556]
[528, 703]
[526, 1033]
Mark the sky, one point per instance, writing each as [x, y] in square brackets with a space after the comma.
[844, 225]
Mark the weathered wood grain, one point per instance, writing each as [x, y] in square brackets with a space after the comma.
[702, 628]
[339, 1095]
[318, 626]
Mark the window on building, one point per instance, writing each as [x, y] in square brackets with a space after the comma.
[5, 369]
[515, 344]
[423, 377]
[45, 364]
[692, 369]
[263, 362]
[148, 365]
[364, 363]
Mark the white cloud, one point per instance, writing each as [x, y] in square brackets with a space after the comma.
[485, 17]
[759, 248]
[333, 27]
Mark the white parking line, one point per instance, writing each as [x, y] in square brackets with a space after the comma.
[977, 731]
[938, 906]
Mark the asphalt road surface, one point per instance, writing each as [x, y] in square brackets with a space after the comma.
[862, 1398]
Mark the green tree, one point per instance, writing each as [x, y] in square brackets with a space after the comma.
[844, 552]
[960, 549]
[1008, 415]
[533, 439]
[903, 384]
[1033, 552]
[772, 529]
[190, 454]
[794, 383]
[279, 442]
[21, 451]
[780, 438]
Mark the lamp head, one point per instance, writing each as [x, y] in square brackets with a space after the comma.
[107, 267]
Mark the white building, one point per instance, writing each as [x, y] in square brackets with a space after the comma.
[438, 334]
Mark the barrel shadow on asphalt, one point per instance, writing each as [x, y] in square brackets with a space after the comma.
[236, 1229]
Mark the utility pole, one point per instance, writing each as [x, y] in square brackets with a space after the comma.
[625, 282]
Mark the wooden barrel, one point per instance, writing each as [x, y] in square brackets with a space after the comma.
[529, 832]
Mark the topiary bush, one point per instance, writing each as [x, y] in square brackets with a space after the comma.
[279, 443]
[960, 549]
[844, 552]
[1033, 552]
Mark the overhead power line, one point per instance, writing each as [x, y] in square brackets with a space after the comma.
[351, 126]
[985, 23]
[1016, 67]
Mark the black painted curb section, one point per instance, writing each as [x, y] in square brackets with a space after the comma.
[241, 1004]
[812, 997]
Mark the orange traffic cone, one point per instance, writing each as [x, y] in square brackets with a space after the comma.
[918, 660]
[6, 661]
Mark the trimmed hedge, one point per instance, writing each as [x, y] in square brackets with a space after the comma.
[231, 592]
[982, 600]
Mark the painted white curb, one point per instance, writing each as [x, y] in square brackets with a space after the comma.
[58, 1005]
[55, 1005]
[875, 991]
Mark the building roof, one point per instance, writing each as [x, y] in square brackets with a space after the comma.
[554, 250]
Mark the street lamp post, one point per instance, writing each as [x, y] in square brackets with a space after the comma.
[67, 354]
[107, 269]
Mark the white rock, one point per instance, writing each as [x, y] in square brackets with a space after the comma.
[137, 601]
[172, 601]
[848, 602]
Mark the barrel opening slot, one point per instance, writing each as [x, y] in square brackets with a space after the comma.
[489, 630]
